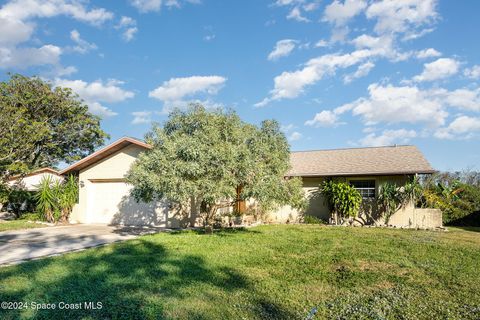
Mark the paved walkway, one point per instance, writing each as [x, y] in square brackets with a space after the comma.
[20, 245]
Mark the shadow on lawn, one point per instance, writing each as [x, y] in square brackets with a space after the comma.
[134, 280]
[223, 232]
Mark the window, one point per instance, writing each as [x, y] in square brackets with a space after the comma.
[365, 187]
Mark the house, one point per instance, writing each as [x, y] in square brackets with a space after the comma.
[104, 196]
[31, 180]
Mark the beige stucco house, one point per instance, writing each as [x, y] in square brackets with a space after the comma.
[104, 196]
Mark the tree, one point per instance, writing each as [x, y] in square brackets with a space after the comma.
[342, 199]
[41, 125]
[215, 158]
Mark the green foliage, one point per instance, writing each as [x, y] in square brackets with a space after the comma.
[342, 199]
[46, 199]
[308, 219]
[456, 199]
[391, 197]
[207, 155]
[41, 125]
[32, 216]
[55, 199]
[19, 200]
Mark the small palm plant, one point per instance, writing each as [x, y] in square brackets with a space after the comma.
[67, 197]
[55, 199]
[46, 199]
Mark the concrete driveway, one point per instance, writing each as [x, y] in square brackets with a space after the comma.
[20, 245]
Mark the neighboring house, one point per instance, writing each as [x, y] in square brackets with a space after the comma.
[104, 196]
[31, 180]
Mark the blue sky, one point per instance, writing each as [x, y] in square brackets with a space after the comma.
[334, 73]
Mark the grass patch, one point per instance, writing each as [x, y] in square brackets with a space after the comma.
[18, 224]
[266, 272]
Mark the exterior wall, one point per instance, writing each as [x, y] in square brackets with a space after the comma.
[406, 217]
[417, 218]
[30, 182]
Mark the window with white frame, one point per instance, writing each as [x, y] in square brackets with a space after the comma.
[365, 187]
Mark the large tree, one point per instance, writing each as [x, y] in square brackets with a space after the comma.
[41, 125]
[215, 158]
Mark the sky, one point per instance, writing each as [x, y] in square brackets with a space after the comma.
[335, 74]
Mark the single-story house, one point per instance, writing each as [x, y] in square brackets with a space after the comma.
[104, 195]
[31, 180]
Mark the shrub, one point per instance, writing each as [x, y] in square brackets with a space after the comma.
[32, 216]
[308, 219]
[342, 199]
[55, 200]
[456, 199]
[19, 201]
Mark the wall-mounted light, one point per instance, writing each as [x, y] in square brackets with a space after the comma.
[82, 184]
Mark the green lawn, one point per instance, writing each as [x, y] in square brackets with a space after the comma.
[18, 224]
[269, 272]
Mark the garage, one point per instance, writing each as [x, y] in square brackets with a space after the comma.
[109, 202]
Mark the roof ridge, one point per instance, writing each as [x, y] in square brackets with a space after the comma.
[356, 148]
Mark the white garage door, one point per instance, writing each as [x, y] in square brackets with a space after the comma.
[111, 203]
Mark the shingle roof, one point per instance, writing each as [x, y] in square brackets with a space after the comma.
[392, 160]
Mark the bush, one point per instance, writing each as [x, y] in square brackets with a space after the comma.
[456, 200]
[19, 201]
[308, 219]
[32, 216]
[342, 199]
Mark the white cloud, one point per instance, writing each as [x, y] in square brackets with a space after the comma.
[14, 31]
[294, 136]
[142, 117]
[291, 84]
[95, 92]
[282, 49]
[439, 69]
[339, 13]
[129, 34]
[402, 15]
[147, 5]
[406, 104]
[325, 118]
[321, 44]
[28, 9]
[26, 57]
[16, 20]
[428, 53]
[466, 99]
[155, 5]
[296, 14]
[463, 127]
[473, 72]
[362, 71]
[391, 104]
[178, 88]
[388, 137]
[82, 45]
[129, 26]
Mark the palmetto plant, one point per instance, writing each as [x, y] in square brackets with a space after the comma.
[46, 198]
[391, 197]
[67, 194]
[55, 199]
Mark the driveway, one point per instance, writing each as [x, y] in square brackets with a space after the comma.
[20, 245]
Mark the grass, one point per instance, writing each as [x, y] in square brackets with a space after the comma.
[18, 224]
[266, 272]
